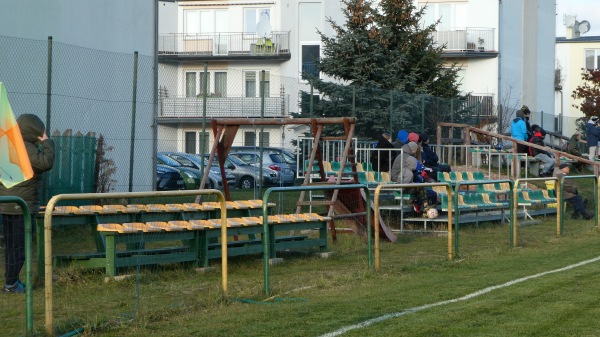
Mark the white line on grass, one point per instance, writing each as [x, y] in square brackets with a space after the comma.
[464, 298]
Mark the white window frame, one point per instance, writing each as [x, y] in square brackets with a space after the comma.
[257, 14]
[596, 58]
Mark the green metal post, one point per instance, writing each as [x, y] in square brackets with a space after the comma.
[353, 101]
[262, 129]
[45, 192]
[423, 113]
[133, 113]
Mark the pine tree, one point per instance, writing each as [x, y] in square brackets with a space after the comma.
[381, 55]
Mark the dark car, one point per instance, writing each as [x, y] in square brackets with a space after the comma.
[168, 178]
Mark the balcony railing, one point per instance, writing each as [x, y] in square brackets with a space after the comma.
[224, 44]
[191, 107]
[467, 39]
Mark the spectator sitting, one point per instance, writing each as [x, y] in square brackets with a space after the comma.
[380, 159]
[571, 194]
[544, 156]
[430, 159]
[401, 139]
[518, 131]
[407, 169]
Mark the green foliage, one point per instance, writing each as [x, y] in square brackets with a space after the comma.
[588, 93]
[387, 68]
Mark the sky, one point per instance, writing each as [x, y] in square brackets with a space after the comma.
[588, 10]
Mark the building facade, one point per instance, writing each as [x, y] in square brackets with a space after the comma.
[505, 50]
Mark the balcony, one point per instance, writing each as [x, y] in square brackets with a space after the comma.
[467, 42]
[221, 107]
[223, 46]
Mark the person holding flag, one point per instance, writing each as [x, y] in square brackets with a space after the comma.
[29, 134]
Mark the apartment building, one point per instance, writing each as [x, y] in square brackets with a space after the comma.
[505, 50]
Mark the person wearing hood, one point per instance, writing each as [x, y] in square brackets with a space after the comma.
[407, 169]
[518, 130]
[380, 157]
[592, 135]
[41, 155]
[401, 139]
[538, 139]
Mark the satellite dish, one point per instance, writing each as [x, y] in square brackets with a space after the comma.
[569, 20]
[263, 27]
[584, 27]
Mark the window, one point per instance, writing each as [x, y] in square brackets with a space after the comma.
[250, 83]
[190, 85]
[310, 21]
[203, 137]
[201, 84]
[194, 84]
[190, 142]
[252, 16]
[249, 138]
[310, 53]
[221, 84]
[250, 79]
[592, 58]
[451, 15]
[205, 21]
[264, 138]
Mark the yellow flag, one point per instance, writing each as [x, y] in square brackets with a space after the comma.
[15, 166]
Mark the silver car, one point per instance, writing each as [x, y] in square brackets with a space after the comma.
[247, 175]
[272, 160]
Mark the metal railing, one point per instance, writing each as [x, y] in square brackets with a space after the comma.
[481, 39]
[224, 44]
[222, 107]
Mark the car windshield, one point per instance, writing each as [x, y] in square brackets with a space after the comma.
[169, 161]
[237, 161]
[184, 161]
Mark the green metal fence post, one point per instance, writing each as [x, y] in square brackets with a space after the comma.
[133, 112]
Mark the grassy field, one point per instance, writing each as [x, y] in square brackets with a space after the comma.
[418, 292]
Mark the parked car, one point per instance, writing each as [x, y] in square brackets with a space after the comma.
[187, 160]
[168, 178]
[272, 160]
[191, 177]
[289, 157]
[247, 175]
[189, 170]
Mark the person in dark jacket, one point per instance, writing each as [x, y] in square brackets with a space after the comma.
[526, 116]
[571, 194]
[41, 155]
[573, 148]
[380, 159]
[538, 139]
[431, 160]
[592, 134]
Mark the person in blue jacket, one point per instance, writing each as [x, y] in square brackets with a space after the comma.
[592, 134]
[518, 130]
